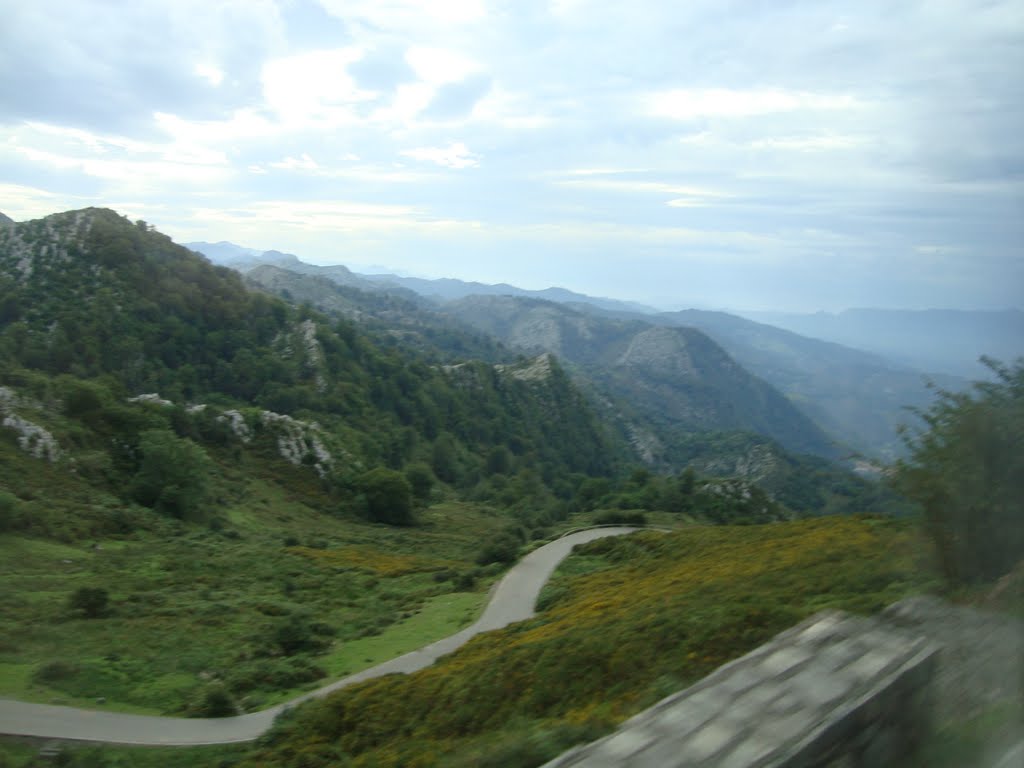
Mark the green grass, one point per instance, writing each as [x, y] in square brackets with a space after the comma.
[188, 602]
[439, 617]
[16, 753]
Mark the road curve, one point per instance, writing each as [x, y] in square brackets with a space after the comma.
[513, 600]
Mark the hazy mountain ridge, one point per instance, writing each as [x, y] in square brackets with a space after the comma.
[858, 397]
[447, 289]
[674, 379]
[939, 340]
[805, 484]
[391, 318]
[437, 290]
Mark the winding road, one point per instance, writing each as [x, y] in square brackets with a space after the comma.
[513, 600]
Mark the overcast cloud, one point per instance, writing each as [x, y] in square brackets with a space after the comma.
[753, 155]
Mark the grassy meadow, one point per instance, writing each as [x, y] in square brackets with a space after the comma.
[270, 603]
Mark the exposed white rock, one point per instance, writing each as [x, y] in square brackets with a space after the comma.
[313, 355]
[196, 408]
[645, 443]
[150, 397]
[7, 398]
[298, 439]
[33, 439]
[236, 423]
[538, 369]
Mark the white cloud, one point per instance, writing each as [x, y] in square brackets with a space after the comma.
[409, 101]
[455, 155]
[936, 250]
[897, 127]
[22, 202]
[242, 124]
[683, 196]
[688, 104]
[818, 143]
[134, 172]
[437, 65]
[314, 86]
[211, 74]
[407, 15]
[303, 163]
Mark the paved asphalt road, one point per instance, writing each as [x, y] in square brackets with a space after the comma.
[512, 601]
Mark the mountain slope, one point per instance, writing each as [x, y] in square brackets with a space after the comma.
[673, 378]
[806, 485]
[89, 294]
[859, 397]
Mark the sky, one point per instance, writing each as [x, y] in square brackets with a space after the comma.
[795, 155]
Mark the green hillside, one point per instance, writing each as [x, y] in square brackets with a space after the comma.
[185, 463]
[627, 622]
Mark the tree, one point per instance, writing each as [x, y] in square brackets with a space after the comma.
[421, 480]
[388, 496]
[173, 474]
[966, 470]
[8, 508]
[444, 458]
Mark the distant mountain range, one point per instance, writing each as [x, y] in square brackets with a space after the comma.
[853, 375]
[448, 289]
[941, 340]
[655, 382]
[437, 291]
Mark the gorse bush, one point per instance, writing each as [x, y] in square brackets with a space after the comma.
[660, 607]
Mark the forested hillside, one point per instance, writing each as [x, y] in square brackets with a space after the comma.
[666, 433]
[118, 310]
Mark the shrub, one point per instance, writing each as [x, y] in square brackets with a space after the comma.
[90, 601]
[213, 701]
[503, 548]
[421, 480]
[966, 470]
[8, 511]
[294, 634]
[621, 518]
[388, 496]
[54, 672]
[173, 474]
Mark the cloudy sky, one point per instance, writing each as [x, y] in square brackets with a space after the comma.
[751, 154]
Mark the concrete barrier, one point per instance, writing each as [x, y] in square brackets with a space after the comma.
[836, 691]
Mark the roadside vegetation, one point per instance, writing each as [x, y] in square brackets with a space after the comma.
[627, 622]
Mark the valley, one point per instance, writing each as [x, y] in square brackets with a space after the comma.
[220, 491]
